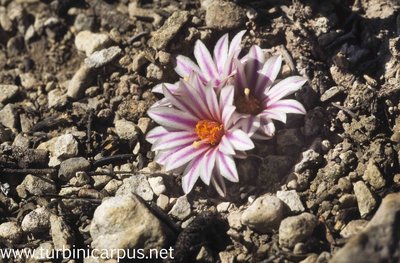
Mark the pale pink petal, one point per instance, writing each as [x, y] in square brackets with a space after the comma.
[288, 106]
[284, 88]
[191, 174]
[159, 88]
[221, 52]
[184, 155]
[227, 167]
[227, 114]
[234, 47]
[252, 66]
[226, 96]
[241, 80]
[218, 183]
[156, 133]
[268, 73]
[240, 140]
[185, 66]
[161, 103]
[249, 124]
[178, 102]
[212, 102]
[267, 127]
[205, 61]
[273, 114]
[191, 94]
[173, 118]
[174, 139]
[208, 165]
[225, 146]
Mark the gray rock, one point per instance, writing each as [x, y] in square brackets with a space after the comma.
[61, 233]
[100, 181]
[380, 241]
[36, 221]
[65, 147]
[181, 209]
[373, 176]
[224, 15]
[136, 184]
[234, 219]
[157, 184]
[264, 214]
[112, 186]
[163, 202]
[292, 200]
[125, 222]
[169, 30]
[353, 227]
[154, 72]
[366, 201]
[80, 82]
[56, 98]
[332, 92]
[69, 167]
[84, 22]
[296, 229]
[22, 140]
[102, 57]
[36, 186]
[310, 159]
[11, 232]
[8, 92]
[126, 130]
[89, 42]
[8, 116]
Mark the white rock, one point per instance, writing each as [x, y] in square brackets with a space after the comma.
[223, 207]
[89, 42]
[61, 233]
[157, 184]
[181, 208]
[126, 130]
[365, 200]
[7, 92]
[234, 219]
[292, 200]
[11, 232]
[136, 184]
[36, 221]
[163, 202]
[296, 229]
[353, 227]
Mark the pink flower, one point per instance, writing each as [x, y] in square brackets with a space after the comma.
[197, 134]
[258, 100]
[214, 70]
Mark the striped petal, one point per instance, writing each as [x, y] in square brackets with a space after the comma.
[159, 88]
[273, 114]
[184, 155]
[288, 106]
[227, 116]
[227, 167]
[212, 103]
[219, 184]
[208, 165]
[241, 80]
[174, 139]
[240, 140]
[226, 146]
[191, 95]
[185, 66]
[284, 88]
[172, 118]
[253, 65]
[268, 73]
[156, 133]
[250, 124]
[234, 47]
[221, 52]
[205, 61]
[191, 174]
[226, 96]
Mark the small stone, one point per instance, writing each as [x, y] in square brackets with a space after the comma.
[126, 130]
[138, 61]
[69, 167]
[309, 160]
[292, 200]
[331, 93]
[144, 124]
[299, 248]
[157, 184]
[353, 227]
[154, 72]
[84, 22]
[8, 116]
[56, 99]
[224, 15]
[296, 229]
[348, 200]
[169, 30]
[234, 219]
[43, 252]
[65, 147]
[61, 233]
[8, 92]
[365, 199]
[124, 222]
[226, 257]
[22, 140]
[100, 181]
[205, 255]
[11, 232]
[36, 186]
[373, 176]
[100, 58]
[80, 82]
[264, 214]
[36, 221]
[112, 186]
[344, 185]
[136, 184]
[163, 202]
[310, 259]
[89, 42]
[223, 207]
[181, 208]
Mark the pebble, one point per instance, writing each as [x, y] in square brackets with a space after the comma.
[102, 57]
[8, 116]
[223, 207]
[365, 199]
[61, 233]
[264, 214]
[36, 221]
[112, 186]
[69, 167]
[43, 252]
[344, 185]
[224, 15]
[83, 22]
[332, 92]
[234, 219]
[310, 159]
[353, 227]
[136, 184]
[89, 42]
[125, 222]
[169, 30]
[126, 130]
[181, 209]
[36, 186]
[22, 140]
[347, 201]
[157, 184]
[99, 181]
[296, 229]
[292, 199]
[163, 202]
[80, 82]
[143, 124]
[373, 176]
[8, 92]
[60, 148]
[154, 72]
[310, 259]
[56, 99]
[11, 232]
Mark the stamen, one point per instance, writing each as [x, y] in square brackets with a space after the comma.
[247, 92]
[209, 132]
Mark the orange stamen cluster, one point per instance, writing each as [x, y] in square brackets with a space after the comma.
[248, 104]
[209, 132]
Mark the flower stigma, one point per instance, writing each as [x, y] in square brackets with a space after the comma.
[209, 132]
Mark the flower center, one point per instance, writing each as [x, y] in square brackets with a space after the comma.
[209, 132]
[248, 104]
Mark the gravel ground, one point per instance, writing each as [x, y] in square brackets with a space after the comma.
[76, 171]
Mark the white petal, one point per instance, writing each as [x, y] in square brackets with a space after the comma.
[285, 87]
[221, 52]
[208, 165]
[227, 167]
[184, 155]
[185, 66]
[205, 61]
[234, 46]
[268, 73]
[240, 140]
[288, 106]
[156, 133]
[173, 118]
[174, 139]
[225, 146]
[219, 184]
[191, 174]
